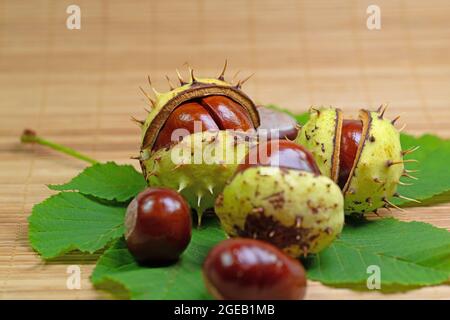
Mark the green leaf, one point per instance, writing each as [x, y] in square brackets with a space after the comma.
[409, 254]
[433, 175]
[69, 221]
[117, 269]
[106, 181]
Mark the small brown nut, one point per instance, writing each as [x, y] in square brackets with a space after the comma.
[247, 269]
[157, 226]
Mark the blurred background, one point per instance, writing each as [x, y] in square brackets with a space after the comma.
[80, 87]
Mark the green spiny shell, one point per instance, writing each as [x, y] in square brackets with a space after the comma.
[295, 210]
[374, 179]
[378, 163]
[319, 135]
[198, 183]
[198, 166]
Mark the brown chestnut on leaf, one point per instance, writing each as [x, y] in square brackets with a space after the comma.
[157, 226]
[248, 269]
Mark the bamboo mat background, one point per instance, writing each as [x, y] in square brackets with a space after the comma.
[80, 87]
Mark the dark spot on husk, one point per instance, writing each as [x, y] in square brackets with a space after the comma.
[219, 200]
[266, 228]
[313, 237]
[314, 209]
[307, 136]
[276, 200]
[257, 192]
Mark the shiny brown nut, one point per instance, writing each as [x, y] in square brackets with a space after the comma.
[350, 139]
[212, 112]
[247, 269]
[282, 153]
[157, 226]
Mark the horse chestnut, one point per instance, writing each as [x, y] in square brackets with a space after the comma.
[281, 153]
[215, 104]
[184, 117]
[157, 226]
[212, 112]
[243, 269]
[363, 156]
[281, 198]
[350, 139]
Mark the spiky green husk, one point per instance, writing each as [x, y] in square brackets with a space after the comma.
[378, 164]
[297, 211]
[319, 135]
[375, 177]
[198, 166]
[199, 183]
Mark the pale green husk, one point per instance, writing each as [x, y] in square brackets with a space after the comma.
[310, 204]
[318, 135]
[198, 166]
[373, 180]
[378, 164]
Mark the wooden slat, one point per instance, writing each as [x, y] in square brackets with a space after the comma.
[80, 88]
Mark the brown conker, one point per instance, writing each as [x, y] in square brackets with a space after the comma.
[227, 113]
[364, 156]
[184, 117]
[282, 153]
[350, 139]
[212, 112]
[248, 269]
[157, 226]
